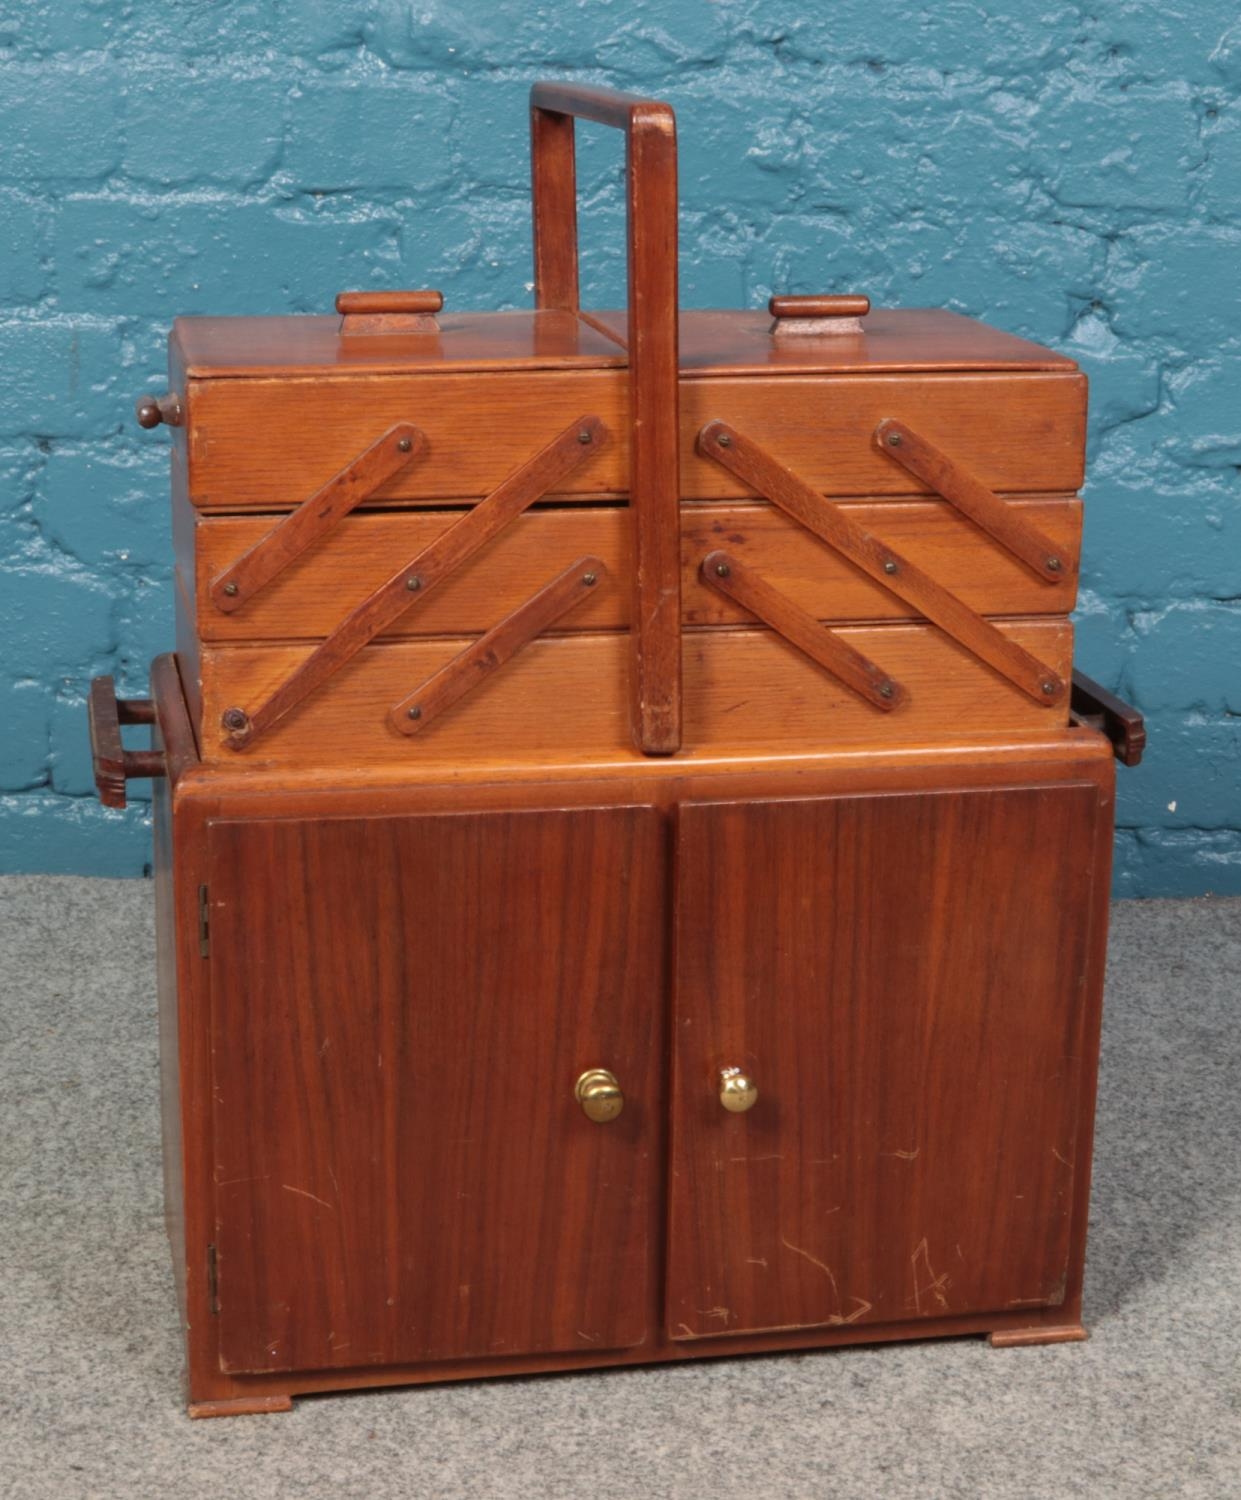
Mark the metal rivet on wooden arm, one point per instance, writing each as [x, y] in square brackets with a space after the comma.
[473, 666]
[752, 463]
[412, 583]
[983, 506]
[834, 654]
[315, 517]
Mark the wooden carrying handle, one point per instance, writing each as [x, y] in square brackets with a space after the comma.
[113, 764]
[651, 213]
[1092, 705]
[388, 312]
[796, 317]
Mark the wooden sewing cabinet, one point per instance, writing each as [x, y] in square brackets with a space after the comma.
[681, 933]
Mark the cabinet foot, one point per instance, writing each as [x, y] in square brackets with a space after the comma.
[1011, 1338]
[241, 1406]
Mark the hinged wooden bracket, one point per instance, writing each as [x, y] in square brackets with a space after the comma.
[473, 666]
[752, 463]
[834, 654]
[315, 517]
[973, 499]
[413, 582]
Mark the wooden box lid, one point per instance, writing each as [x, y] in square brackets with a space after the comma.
[888, 340]
[214, 348]
[712, 342]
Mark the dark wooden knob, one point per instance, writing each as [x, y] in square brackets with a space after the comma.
[152, 410]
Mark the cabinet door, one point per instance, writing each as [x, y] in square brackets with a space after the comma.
[902, 978]
[400, 1009]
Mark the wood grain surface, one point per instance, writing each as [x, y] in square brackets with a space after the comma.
[649, 127]
[565, 698]
[983, 506]
[400, 1007]
[479, 427]
[930, 340]
[740, 453]
[317, 590]
[468, 532]
[314, 519]
[722, 571]
[903, 978]
[497, 646]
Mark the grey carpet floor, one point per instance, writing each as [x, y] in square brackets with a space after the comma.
[89, 1358]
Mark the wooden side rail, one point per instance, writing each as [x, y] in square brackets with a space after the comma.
[654, 484]
[113, 764]
[1092, 705]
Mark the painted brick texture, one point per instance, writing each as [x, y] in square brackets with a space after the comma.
[1071, 174]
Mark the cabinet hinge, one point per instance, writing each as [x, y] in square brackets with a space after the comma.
[213, 1281]
[204, 923]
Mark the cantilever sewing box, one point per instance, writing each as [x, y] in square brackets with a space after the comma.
[631, 857]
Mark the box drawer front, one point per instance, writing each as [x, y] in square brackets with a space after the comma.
[309, 600]
[564, 699]
[270, 443]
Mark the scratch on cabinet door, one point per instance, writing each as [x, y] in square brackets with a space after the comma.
[302, 1193]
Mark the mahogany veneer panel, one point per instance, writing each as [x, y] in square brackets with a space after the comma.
[400, 1007]
[903, 977]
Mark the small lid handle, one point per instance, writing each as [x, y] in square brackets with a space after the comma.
[801, 316]
[389, 312]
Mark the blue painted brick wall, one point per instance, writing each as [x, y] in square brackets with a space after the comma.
[1069, 173]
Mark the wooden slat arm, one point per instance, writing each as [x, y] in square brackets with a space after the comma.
[321, 513]
[972, 498]
[752, 463]
[414, 581]
[473, 666]
[834, 654]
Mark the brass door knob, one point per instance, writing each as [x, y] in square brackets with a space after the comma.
[600, 1095]
[737, 1091]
